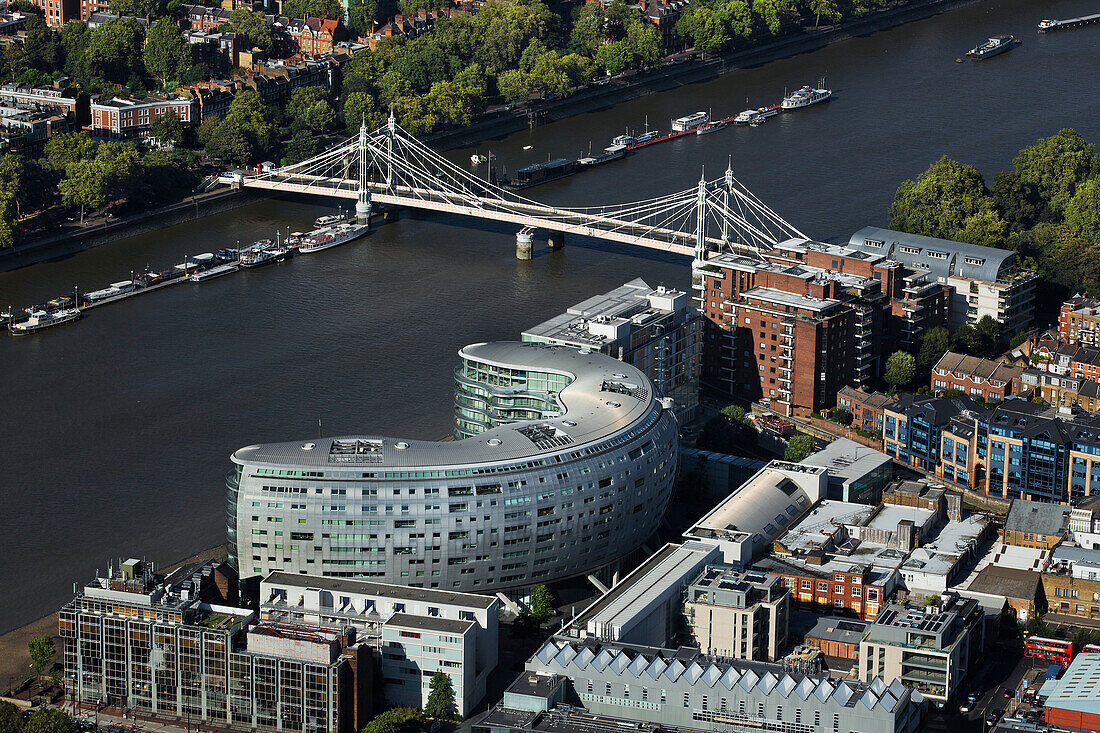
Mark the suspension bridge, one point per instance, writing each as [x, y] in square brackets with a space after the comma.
[391, 167]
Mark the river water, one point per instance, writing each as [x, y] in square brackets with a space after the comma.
[116, 431]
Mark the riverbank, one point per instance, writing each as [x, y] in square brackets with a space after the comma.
[15, 662]
[80, 238]
[670, 77]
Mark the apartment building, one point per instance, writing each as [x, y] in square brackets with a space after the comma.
[986, 379]
[865, 407]
[837, 637]
[984, 281]
[655, 329]
[172, 647]
[419, 631]
[1071, 583]
[1079, 321]
[130, 116]
[738, 614]
[929, 648]
[57, 13]
[912, 429]
[832, 305]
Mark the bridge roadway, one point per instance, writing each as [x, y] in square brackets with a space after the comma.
[516, 212]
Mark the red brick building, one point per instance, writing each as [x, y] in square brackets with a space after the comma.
[855, 305]
[989, 379]
[866, 407]
[89, 7]
[57, 13]
[125, 117]
[1079, 321]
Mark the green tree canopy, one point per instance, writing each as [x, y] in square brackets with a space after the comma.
[900, 369]
[441, 698]
[49, 720]
[167, 53]
[11, 718]
[167, 127]
[114, 51]
[247, 132]
[1056, 165]
[1083, 211]
[254, 26]
[42, 650]
[934, 344]
[398, 720]
[798, 448]
[948, 201]
[542, 603]
[332, 9]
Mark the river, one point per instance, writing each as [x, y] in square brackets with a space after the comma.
[117, 430]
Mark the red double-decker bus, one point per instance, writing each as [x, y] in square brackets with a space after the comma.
[1051, 650]
[1090, 648]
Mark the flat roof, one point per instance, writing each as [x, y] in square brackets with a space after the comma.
[833, 628]
[847, 459]
[384, 590]
[429, 623]
[823, 520]
[892, 514]
[591, 414]
[806, 302]
[1079, 687]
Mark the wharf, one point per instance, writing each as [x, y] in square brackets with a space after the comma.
[138, 291]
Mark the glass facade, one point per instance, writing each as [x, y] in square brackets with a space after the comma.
[487, 396]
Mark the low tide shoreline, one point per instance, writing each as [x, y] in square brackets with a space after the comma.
[15, 663]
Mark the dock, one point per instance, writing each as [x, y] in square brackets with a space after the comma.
[1048, 26]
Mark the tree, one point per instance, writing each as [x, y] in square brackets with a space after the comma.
[1017, 201]
[139, 8]
[778, 15]
[948, 201]
[441, 698]
[88, 183]
[1083, 210]
[167, 53]
[49, 720]
[966, 340]
[398, 720]
[826, 9]
[254, 26]
[114, 51]
[313, 9]
[66, 148]
[11, 719]
[989, 334]
[12, 190]
[246, 133]
[542, 603]
[514, 85]
[1055, 166]
[167, 127]
[42, 651]
[798, 448]
[934, 344]
[900, 369]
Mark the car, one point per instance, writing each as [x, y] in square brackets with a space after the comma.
[964, 708]
[1008, 693]
[991, 719]
[972, 698]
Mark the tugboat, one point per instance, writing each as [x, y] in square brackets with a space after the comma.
[41, 320]
[992, 47]
[806, 96]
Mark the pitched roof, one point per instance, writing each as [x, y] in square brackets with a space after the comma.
[1036, 517]
[973, 366]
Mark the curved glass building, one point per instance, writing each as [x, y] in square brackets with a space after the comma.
[564, 463]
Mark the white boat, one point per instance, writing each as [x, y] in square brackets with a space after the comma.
[624, 140]
[766, 112]
[212, 273]
[477, 159]
[745, 117]
[41, 320]
[329, 220]
[806, 96]
[647, 136]
[689, 122]
[331, 237]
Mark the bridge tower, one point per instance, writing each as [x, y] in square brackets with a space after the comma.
[727, 195]
[391, 133]
[701, 219]
[363, 203]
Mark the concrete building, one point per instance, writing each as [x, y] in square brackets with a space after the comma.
[520, 504]
[683, 689]
[656, 330]
[738, 614]
[1035, 524]
[987, 379]
[984, 281]
[1084, 524]
[856, 473]
[171, 648]
[403, 624]
[1074, 700]
[929, 648]
[746, 522]
[59, 97]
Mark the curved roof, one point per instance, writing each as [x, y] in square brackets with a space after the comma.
[606, 397]
[942, 257]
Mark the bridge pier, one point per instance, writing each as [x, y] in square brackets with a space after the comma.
[524, 244]
[555, 240]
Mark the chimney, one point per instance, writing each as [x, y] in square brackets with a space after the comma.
[954, 506]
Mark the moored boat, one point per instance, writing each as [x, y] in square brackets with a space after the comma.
[40, 320]
[806, 96]
[331, 236]
[994, 46]
[745, 117]
[212, 273]
[330, 219]
[690, 122]
[711, 127]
